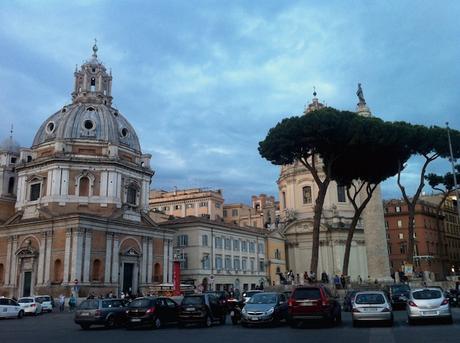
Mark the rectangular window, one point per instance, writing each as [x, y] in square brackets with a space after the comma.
[399, 223]
[252, 264]
[402, 248]
[35, 191]
[401, 236]
[252, 247]
[190, 205]
[236, 245]
[244, 246]
[218, 204]
[219, 262]
[244, 264]
[306, 194]
[228, 262]
[260, 248]
[177, 207]
[225, 213]
[228, 244]
[386, 224]
[234, 213]
[131, 196]
[204, 204]
[182, 240]
[284, 199]
[204, 240]
[341, 194]
[206, 262]
[218, 242]
[398, 209]
[261, 265]
[183, 261]
[236, 263]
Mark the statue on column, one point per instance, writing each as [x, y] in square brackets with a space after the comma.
[360, 95]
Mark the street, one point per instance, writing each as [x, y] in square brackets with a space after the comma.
[57, 327]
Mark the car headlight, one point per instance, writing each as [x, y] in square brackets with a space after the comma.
[244, 311]
[270, 311]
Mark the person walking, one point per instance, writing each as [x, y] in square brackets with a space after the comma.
[61, 303]
[72, 303]
[336, 281]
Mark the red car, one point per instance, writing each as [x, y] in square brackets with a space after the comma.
[312, 303]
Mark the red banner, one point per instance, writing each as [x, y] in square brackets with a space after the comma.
[176, 277]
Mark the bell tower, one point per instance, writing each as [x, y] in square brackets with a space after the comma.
[92, 82]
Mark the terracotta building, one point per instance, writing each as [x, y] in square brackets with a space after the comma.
[429, 250]
[262, 213]
[80, 197]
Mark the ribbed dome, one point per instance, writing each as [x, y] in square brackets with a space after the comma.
[88, 121]
[9, 145]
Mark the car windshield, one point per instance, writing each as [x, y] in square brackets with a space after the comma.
[250, 293]
[427, 294]
[89, 305]
[371, 299]
[263, 298]
[140, 303]
[307, 293]
[25, 300]
[193, 301]
[41, 299]
[399, 289]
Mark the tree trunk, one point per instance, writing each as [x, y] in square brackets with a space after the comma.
[322, 189]
[411, 229]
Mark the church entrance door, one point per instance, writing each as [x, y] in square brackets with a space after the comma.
[128, 271]
[27, 284]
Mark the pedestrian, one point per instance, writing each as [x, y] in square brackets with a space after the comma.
[72, 303]
[61, 302]
[360, 280]
[343, 281]
[324, 277]
[336, 281]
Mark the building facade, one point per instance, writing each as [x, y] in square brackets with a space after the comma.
[196, 202]
[262, 213]
[297, 194]
[80, 220]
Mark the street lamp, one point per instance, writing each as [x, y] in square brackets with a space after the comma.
[452, 161]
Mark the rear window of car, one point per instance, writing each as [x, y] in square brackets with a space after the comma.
[141, 303]
[44, 299]
[89, 305]
[25, 300]
[4, 302]
[111, 303]
[427, 294]
[398, 289]
[193, 301]
[371, 299]
[307, 293]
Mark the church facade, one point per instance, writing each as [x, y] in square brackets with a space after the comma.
[74, 207]
[297, 193]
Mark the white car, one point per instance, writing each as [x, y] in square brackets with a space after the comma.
[30, 305]
[428, 303]
[10, 309]
[46, 301]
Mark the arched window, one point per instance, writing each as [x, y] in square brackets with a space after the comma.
[96, 274]
[157, 273]
[58, 271]
[306, 194]
[11, 185]
[2, 274]
[83, 189]
[131, 195]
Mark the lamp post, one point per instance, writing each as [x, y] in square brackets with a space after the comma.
[452, 161]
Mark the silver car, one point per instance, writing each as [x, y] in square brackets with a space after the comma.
[371, 306]
[248, 294]
[428, 303]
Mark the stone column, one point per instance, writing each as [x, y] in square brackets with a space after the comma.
[144, 261]
[68, 249]
[41, 259]
[77, 254]
[14, 261]
[165, 261]
[150, 260]
[49, 242]
[87, 259]
[8, 261]
[378, 263]
[116, 256]
[108, 257]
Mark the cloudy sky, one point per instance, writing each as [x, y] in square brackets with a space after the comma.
[203, 81]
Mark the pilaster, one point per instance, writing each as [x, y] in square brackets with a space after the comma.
[87, 256]
[108, 257]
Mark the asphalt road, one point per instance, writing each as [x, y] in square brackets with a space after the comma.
[59, 327]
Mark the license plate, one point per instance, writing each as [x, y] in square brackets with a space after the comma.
[254, 318]
[370, 309]
[135, 320]
[232, 313]
[190, 309]
[429, 313]
[84, 314]
[306, 304]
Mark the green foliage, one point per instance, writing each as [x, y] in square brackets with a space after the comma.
[445, 181]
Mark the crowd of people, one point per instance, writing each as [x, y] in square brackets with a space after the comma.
[339, 282]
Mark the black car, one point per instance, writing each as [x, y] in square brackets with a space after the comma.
[348, 300]
[223, 297]
[202, 309]
[398, 294]
[107, 312]
[151, 311]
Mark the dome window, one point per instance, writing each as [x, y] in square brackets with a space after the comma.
[88, 124]
[115, 114]
[91, 109]
[64, 110]
[124, 132]
[50, 127]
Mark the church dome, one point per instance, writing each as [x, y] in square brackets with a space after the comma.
[90, 116]
[9, 145]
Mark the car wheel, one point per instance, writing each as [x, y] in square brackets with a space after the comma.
[85, 326]
[410, 321]
[20, 314]
[207, 321]
[157, 323]
[110, 323]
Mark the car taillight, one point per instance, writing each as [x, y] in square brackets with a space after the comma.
[33, 305]
[150, 310]
[354, 310]
[97, 313]
[324, 302]
[445, 302]
[386, 309]
[411, 303]
[291, 302]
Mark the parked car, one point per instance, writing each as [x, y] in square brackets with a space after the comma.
[248, 294]
[371, 306]
[10, 309]
[264, 308]
[47, 302]
[107, 312]
[348, 300]
[152, 311]
[201, 309]
[313, 302]
[30, 305]
[223, 296]
[398, 294]
[428, 303]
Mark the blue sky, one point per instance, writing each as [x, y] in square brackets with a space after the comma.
[203, 81]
